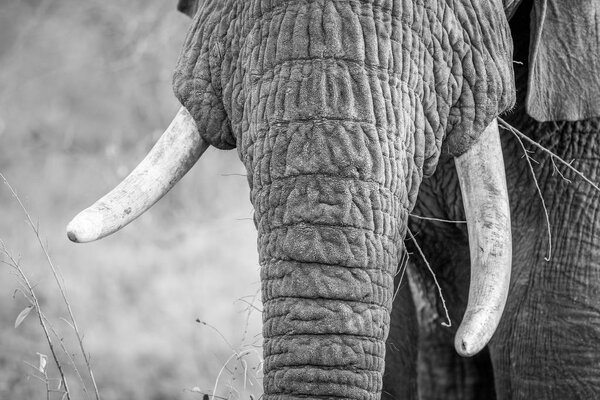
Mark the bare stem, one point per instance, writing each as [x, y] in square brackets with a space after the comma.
[515, 131]
[58, 280]
[439, 288]
[38, 309]
[198, 320]
[402, 267]
[449, 221]
[69, 356]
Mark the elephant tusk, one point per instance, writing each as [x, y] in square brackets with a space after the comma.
[485, 197]
[169, 160]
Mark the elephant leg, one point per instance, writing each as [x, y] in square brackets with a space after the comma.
[442, 373]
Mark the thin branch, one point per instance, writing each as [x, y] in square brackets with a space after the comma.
[537, 186]
[555, 169]
[68, 354]
[250, 305]
[249, 314]
[403, 262]
[198, 320]
[237, 355]
[515, 131]
[58, 280]
[403, 267]
[439, 288]
[41, 318]
[449, 221]
[221, 372]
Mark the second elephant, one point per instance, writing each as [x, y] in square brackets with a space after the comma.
[548, 343]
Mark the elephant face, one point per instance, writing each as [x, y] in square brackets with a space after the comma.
[446, 72]
[338, 109]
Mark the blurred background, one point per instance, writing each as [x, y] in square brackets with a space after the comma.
[85, 91]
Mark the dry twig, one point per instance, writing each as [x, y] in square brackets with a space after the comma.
[32, 297]
[537, 186]
[60, 283]
[520, 134]
[402, 268]
[439, 288]
[238, 356]
[449, 221]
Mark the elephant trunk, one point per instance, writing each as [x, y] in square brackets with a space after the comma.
[334, 161]
[328, 174]
[329, 249]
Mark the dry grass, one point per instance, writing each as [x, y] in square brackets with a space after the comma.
[85, 92]
[137, 294]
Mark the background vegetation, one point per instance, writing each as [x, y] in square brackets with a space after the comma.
[85, 90]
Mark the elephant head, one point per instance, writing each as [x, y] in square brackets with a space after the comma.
[338, 110]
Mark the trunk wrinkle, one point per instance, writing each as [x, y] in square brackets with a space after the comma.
[323, 299]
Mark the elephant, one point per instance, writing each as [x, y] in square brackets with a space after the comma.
[547, 345]
[357, 118]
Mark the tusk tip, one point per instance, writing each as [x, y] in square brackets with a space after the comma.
[468, 347]
[474, 333]
[85, 227]
[72, 235]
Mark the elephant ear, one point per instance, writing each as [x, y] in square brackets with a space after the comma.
[564, 60]
[197, 79]
[188, 7]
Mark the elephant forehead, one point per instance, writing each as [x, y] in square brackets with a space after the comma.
[328, 89]
[282, 30]
[308, 88]
[333, 68]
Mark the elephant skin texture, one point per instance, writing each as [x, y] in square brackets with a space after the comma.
[547, 345]
[339, 109]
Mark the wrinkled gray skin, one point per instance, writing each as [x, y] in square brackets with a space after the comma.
[548, 343]
[339, 109]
